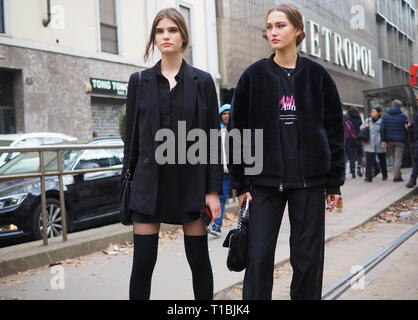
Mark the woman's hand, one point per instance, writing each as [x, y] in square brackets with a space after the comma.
[214, 204]
[242, 197]
[332, 200]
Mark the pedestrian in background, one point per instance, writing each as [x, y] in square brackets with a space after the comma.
[354, 147]
[373, 146]
[224, 113]
[393, 134]
[169, 92]
[296, 103]
[413, 179]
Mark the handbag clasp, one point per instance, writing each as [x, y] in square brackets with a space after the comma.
[127, 174]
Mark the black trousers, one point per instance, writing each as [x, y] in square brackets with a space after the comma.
[370, 162]
[355, 154]
[307, 223]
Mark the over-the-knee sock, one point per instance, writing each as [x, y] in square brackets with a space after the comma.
[144, 258]
[197, 253]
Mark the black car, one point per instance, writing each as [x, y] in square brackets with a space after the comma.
[91, 199]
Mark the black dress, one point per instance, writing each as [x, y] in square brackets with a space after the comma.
[169, 199]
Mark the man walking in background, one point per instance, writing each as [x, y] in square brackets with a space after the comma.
[393, 133]
[224, 113]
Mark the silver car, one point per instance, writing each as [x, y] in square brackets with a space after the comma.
[32, 139]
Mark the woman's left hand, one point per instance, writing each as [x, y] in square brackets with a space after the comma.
[214, 204]
[332, 200]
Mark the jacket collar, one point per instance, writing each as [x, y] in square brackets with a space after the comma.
[151, 99]
[180, 73]
[185, 71]
[300, 63]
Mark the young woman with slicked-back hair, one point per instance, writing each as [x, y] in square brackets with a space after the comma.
[169, 92]
[296, 103]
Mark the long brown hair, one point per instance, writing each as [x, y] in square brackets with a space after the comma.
[177, 17]
[294, 15]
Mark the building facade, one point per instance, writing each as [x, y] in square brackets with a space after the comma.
[64, 65]
[363, 44]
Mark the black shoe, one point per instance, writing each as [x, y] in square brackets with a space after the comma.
[376, 173]
[384, 178]
[367, 180]
[353, 175]
[359, 173]
[397, 180]
[411, 184]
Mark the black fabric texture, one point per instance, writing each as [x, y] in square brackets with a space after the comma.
[320, 125]
[144, 259]
[197, 253]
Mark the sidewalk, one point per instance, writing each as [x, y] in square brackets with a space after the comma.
[108, 277]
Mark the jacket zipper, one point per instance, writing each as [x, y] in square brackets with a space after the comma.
[300, 135]
[281, 156]
[300, 157]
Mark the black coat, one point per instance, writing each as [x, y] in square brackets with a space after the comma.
[200, 105]
[415, 127]
[320, 123]
[392, 128]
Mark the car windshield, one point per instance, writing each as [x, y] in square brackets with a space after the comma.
[28, 162]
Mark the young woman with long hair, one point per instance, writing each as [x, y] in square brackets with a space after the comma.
[296, 103]
[169, 92]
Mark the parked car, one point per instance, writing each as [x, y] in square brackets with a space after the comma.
[91, 199]
[28, 140]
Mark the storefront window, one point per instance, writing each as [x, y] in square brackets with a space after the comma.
[1, 16]
[7, 110]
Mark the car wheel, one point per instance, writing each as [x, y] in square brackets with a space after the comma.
[54, 220]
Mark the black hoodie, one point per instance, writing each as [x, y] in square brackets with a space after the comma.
[319, 125]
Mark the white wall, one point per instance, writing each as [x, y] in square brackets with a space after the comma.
[76, 31]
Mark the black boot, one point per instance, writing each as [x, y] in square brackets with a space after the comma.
[359, 173]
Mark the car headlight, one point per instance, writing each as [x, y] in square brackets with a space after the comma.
[12, 201]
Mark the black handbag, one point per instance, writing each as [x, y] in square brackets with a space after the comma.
[365, 134]
[125, 214]
[237, 241]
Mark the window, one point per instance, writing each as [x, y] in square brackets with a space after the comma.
[2, 16]
[51, 140]
[188, 54]
[7, 109]
[108, 26]
[118, 154]
[98, 158]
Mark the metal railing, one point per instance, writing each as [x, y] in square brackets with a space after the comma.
[60, 173]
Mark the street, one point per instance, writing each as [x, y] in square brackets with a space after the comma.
[105, 274]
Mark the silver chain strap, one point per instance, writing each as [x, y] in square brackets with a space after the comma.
[243, 213]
